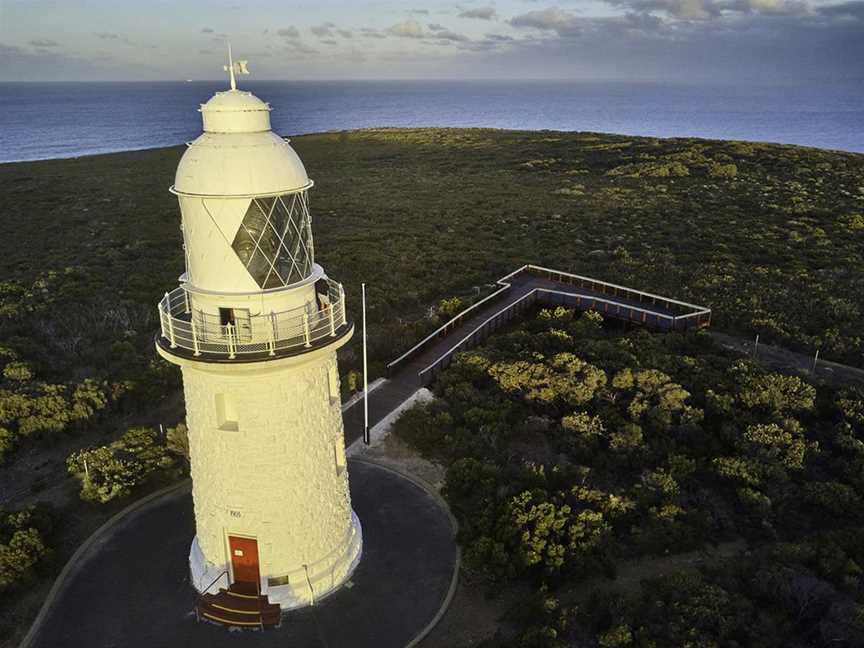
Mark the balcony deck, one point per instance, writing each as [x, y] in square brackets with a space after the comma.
[190, 333]
[290, 349]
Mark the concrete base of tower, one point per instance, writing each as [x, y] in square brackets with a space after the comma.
[305, 585]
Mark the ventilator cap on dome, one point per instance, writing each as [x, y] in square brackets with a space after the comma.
[234, 111]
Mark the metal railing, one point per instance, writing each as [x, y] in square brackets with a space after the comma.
[457, 319]
[206, 590]
[676, 308]
[610, 299]
[583, 301]
[191, 329]
[478, 335]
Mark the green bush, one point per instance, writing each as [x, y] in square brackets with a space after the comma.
[23, 547]
[114, 471]
[723, 171]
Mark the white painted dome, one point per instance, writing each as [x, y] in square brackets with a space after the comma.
[238, 154]
[235, 111]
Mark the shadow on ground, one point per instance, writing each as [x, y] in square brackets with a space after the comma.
[133, 590]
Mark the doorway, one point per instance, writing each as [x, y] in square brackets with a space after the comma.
[244, 560]
[240, 321]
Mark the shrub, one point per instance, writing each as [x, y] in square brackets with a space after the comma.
[110, 472]
[22, 544]
[723, 171]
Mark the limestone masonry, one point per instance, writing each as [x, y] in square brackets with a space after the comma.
[255, 326]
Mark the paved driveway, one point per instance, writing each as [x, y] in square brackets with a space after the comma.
[133, 589]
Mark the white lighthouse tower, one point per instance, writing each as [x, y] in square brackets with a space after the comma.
[255, 326]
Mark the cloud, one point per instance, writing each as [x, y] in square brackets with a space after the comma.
[288, 32]
[551, 19]
[41, 64]
[480, 13]
[44, 43]
[853, 11]
[296, 47]
[345, 33]
[371, 32]
[324, 30]
[719, 41]
[113, 36]
[419, 12]
[436, 27]
[413, 29]
[714, 9]
[448, 35]
[769, 7]
[206, 30]
[683, 9]
[407, 29]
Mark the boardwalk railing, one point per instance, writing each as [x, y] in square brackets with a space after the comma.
[614, 301]
[478, 335]
[456, 321]
[679, 309]
[190, 329]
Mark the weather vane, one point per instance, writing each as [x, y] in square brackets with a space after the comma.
[234, 67]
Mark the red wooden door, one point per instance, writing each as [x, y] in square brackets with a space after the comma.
[244, 559]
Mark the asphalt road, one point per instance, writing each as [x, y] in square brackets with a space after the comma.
[133, 591]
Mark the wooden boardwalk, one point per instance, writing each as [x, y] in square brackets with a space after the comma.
[519, 291]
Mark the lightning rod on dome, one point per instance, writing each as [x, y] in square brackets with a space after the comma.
[235, 67]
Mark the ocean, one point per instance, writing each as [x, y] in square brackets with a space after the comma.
[60, 120]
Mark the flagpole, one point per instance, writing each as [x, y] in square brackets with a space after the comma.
[366, 439]
[231, 68]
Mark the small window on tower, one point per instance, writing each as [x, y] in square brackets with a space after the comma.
[339, 448]
[226, 413]
[333, 383]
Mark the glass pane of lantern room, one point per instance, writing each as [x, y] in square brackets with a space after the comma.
[256, 243]
[286, 258]
[294, 261]
[272, 240]
[259, 268]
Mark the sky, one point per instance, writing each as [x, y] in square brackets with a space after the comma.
[783, 41]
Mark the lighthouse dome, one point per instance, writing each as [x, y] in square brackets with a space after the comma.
[235, 111]
[238, 154]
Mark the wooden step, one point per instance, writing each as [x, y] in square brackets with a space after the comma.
[231, 618]
[240, 606]
[245, 590]
[234, 604]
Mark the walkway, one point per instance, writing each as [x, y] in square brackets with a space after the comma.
[519, 292]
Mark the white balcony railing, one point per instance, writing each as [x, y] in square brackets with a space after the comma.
[192, 330]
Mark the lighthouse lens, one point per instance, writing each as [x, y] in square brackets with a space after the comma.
[274, 240]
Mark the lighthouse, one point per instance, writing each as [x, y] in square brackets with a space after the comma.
[255, 325]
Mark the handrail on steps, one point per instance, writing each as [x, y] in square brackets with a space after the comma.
[206, 590]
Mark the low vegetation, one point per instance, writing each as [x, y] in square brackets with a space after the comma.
[115, 470]
[24, 537]
[573, 448]
[769, 236]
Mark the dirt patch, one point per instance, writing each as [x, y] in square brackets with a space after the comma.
[395, 453]
[474, 615]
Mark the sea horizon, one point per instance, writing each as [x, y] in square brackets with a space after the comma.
[43, 120]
